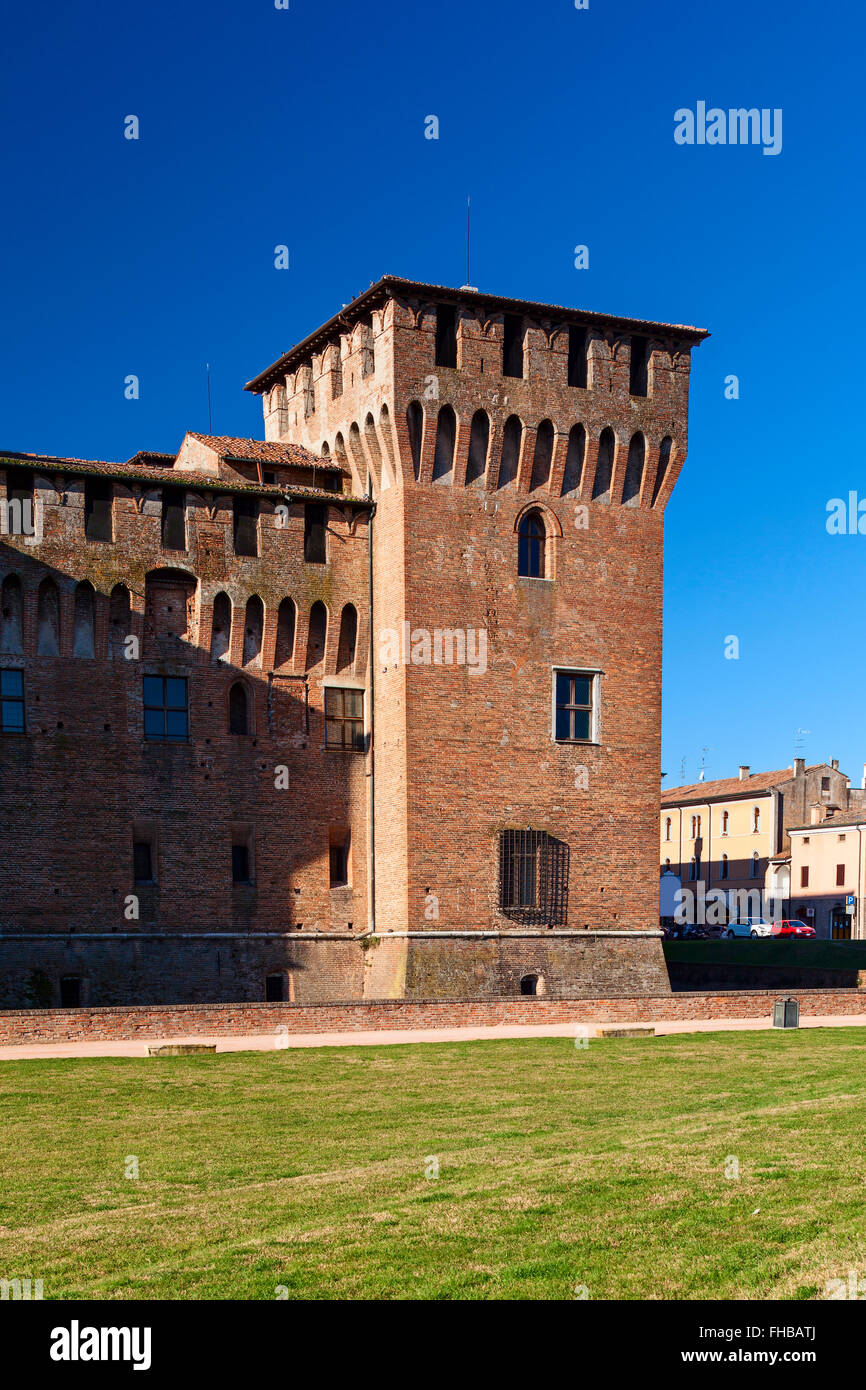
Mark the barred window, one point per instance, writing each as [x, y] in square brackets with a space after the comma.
[533, 877]
[12, 702]
[344, 718]
[574, 707]
[166, 709]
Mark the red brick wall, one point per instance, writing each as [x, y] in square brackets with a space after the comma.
[83, 775]
[70, 1025]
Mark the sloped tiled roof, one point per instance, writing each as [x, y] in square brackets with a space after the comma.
[726, 786]
[265, 451]
[206, 482]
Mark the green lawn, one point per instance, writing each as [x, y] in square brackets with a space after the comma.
[558, 1167]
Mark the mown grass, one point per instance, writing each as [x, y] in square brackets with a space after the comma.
[559, 1167]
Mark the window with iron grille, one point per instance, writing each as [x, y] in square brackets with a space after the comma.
[166, 708]
[12, 702]
[344, 718]
[574, 707]
[533, 877]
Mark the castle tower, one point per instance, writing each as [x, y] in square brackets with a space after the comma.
[520, 456]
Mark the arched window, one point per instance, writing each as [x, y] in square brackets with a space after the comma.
[348, 638]
[374, 452]
[254, 622]
[531, 540]
[221, 627]
[11, 608]
[118, 621]
[446, 434]
[239, 709]
[390, 474]
[415, 430]
[83, 620]
[48, 619]
[542, 456]
[604, 467]
[725, 819]
[317, 634]
[574, 457]
[479, 439]
[694, 826]
[723, 866]
[667, 445]
[756, 820]
[530, 984]
[512, 437]
[668, 824]
[634, 471]
[285, 633]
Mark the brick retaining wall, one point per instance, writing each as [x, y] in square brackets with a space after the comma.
[213, 1020]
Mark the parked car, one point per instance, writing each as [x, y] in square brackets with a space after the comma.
[749, 926]
[792, 927]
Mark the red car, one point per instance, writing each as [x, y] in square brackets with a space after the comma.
[791, 928]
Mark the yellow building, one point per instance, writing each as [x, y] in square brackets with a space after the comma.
[733, 834]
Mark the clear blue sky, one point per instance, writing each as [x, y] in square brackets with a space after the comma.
[306, 127]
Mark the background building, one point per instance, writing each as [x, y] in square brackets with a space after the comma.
[733, 834]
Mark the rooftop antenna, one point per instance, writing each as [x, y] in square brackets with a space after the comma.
[682, 772]
[468, 285]
[704, 752]
[209, 420]
[799, 735]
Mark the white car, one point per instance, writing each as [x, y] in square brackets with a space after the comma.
[750, 926]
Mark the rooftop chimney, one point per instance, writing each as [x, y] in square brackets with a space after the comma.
[744, 771]
[816, 815]
[799, 766]
[834, 763]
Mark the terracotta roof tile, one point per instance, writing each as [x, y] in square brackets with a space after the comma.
[265, 451]
[726, 786]
[205, 482]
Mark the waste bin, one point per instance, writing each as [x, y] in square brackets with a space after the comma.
[786, 1013]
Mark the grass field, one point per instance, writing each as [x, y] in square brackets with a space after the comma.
[559, 1167]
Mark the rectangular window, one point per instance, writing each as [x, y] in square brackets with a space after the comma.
[246, 528]
[825, 784]
[19, 502]
[344, 718]
[446, 335]
[533, 877]
[315, 527]
[574, 717]
[840, 875]
[166, 708]
[70, 992]
[240, 864]
[638, 374]
[173, 518]
[512, 346]
[98, 511]
[275, 989]
[804, 877]
[142, 861]
[578, 340]
[338, 849]
[12, 702]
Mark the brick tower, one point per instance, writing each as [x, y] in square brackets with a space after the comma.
[520, 457]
